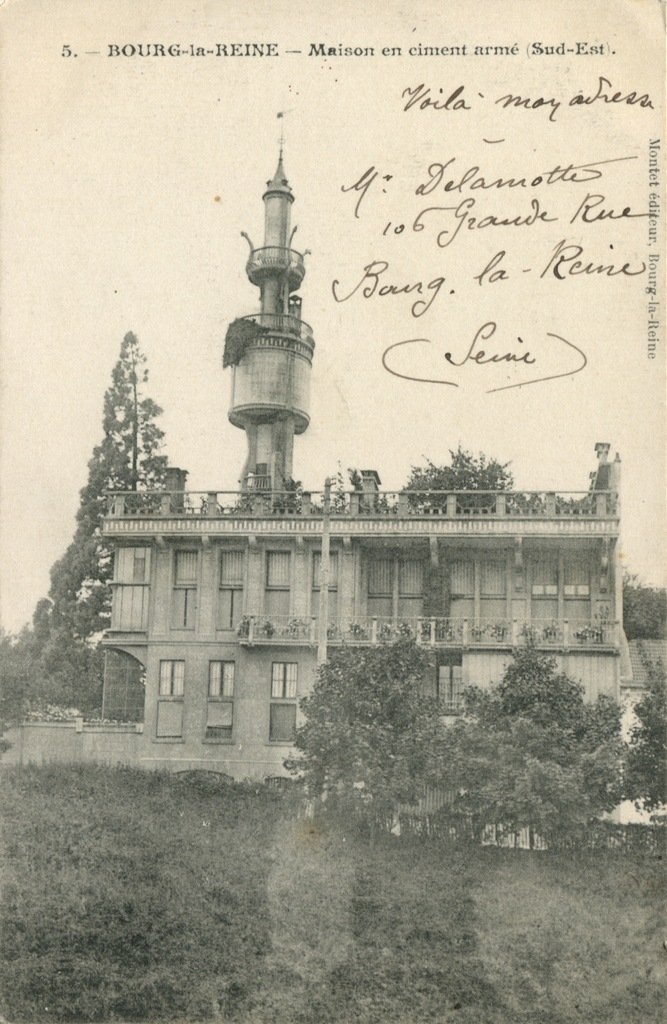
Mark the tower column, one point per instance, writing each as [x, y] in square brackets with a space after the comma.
[271, 351]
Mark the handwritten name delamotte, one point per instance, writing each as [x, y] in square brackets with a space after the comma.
[560, 203]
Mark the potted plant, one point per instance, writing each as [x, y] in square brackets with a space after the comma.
[385, 631]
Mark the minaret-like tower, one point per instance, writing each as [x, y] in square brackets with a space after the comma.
[271, 352]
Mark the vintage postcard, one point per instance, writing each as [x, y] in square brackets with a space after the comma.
[352, 242]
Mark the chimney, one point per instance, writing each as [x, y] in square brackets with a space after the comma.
[615, 476]
[370, 481]
[601, 475]
[174, 483]
[602, 452]
[174, 479]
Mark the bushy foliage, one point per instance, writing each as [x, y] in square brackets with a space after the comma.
[16, 679]
[466, 472]
[646, 775]
[533, 753]
[371, 740]
[644, 610]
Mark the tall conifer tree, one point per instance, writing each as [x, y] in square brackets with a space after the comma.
[128, 458]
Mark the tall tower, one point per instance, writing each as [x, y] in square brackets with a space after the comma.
[271, 352]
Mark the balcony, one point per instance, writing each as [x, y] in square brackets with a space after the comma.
[272, 259]
[436, 632]
[281, 325]
[388, 506]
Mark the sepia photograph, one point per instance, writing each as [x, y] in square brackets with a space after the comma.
[333, 550]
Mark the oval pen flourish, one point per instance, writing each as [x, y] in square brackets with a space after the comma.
[554, 376]
[405, 376]
[480, 357]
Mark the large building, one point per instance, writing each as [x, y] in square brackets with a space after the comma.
[225, 602]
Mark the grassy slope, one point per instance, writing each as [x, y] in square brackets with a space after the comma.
[143, 896]
[576, 938]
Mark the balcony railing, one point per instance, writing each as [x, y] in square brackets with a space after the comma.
[283, 324]
[276, 258]
[432, 632]
[462, 505]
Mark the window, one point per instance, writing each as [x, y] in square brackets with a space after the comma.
[446, 685]
[545, 578]
[184, 606]
[170, 702]
[462, 588]
[381, 587]
[494, 579]
[577, 580]
[396, 587]
[172, 677]
[462, 576]
[230, 598]
[410, 588]
[277, 591]
[220, 711]
[131, 588]
[282, 712]
[493, 589]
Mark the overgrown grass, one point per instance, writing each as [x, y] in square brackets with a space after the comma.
[136, 896]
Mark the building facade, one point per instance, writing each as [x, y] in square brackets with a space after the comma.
[225, 602]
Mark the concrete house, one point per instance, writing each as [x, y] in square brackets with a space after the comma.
[225, 602]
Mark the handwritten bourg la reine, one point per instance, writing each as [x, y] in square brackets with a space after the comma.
[441, 225]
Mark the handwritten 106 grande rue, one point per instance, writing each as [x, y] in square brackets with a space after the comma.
[464, 198]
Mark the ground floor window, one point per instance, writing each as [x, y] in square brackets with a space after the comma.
[170, 700]
[220, 709]
[123, 693]
[446, 684]
[172, 677]
[282, 712]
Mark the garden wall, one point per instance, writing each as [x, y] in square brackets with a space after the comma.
[73, 741]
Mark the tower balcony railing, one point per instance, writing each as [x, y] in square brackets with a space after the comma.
[436, 631]
[261, 500]
[283, 324]
[271, 258]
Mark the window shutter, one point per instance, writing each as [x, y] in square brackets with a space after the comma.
[411, 577]
[186, 566]
[461, 577]
[231, 567]
[278, 569]
[494, 579]
[381, 577]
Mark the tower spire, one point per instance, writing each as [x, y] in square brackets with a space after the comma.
[271, 364]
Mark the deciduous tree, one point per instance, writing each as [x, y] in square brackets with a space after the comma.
[532, 752]
[646, 776]
[644, 610]
[370, 740]
[466, 472]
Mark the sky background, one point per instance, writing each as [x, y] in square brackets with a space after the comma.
[126, 184]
